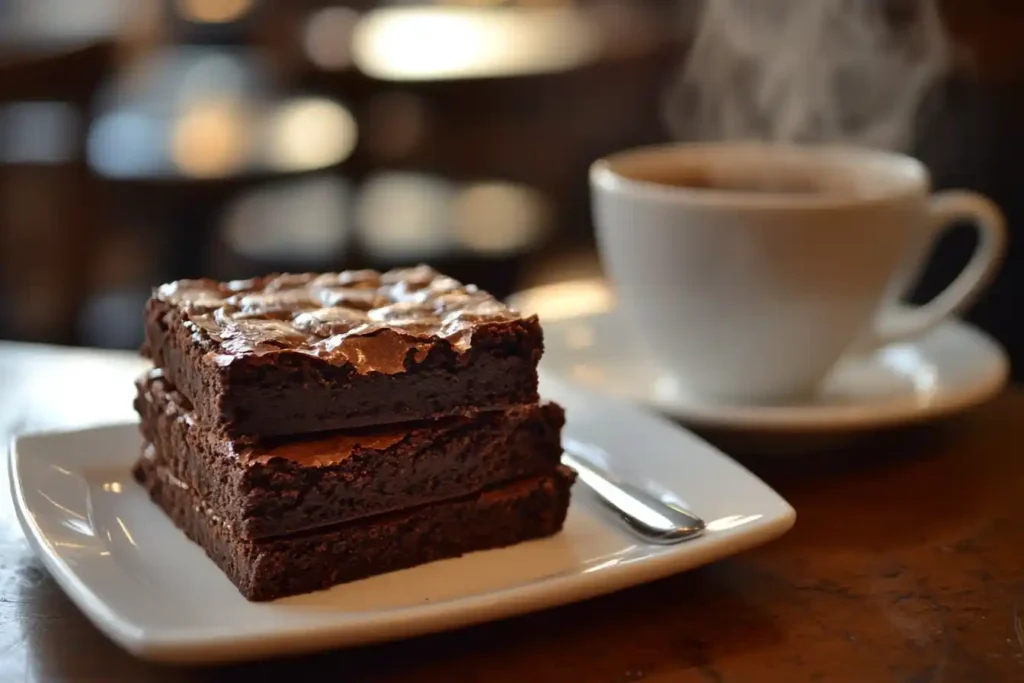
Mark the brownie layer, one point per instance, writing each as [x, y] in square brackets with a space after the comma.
[274, 568]
[277, 488]
[292, 354]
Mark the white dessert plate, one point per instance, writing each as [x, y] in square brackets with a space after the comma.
[156, 594]
[949, 370]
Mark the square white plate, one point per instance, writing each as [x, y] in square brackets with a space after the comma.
[156, 594]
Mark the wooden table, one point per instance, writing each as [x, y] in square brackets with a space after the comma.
[906, 565]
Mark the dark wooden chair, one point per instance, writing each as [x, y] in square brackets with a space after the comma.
[49, 221]
[976, 141]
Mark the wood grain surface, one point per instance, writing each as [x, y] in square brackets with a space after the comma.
[906, 565]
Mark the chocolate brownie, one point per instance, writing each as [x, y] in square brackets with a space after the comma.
[272, 568]
[283, 486]
[297, 353]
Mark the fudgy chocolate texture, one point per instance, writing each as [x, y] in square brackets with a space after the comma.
[274, 568]
[281, 487]
[297, 353]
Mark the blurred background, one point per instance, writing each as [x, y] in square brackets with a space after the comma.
[147, 140]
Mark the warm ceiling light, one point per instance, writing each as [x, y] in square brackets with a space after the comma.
[435, 43]
[304, 220]
[403, 215]
[498, 218]
[210, 140]
[309, 133]
[214, 11]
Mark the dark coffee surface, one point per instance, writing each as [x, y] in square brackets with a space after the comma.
[739, 182]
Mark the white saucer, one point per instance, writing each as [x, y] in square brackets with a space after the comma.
[138, 578]
[952, 369]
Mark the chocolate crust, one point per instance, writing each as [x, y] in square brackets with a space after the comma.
[283, 486]
[269, 569]
[255, 360]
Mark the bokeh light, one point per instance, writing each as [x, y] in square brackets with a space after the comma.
[309, 133]
[434, 43]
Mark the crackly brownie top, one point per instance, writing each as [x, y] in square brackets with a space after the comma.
[368, 319]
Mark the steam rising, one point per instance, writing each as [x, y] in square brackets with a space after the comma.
[851, 71]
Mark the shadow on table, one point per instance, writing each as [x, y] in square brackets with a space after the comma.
[612, 638]
[62, 645]
[616, 637]
[879, 492]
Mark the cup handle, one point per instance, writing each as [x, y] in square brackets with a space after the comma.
[945, 209]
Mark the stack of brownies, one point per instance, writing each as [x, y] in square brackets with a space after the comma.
[308, 430]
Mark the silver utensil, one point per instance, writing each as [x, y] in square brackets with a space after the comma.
[653, 519]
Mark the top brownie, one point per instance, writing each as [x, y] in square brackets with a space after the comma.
[299, 353]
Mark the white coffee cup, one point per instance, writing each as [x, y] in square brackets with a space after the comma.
[752, 288]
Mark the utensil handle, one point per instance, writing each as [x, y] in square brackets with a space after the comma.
[652, 518]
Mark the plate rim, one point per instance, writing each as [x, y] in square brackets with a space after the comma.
[217, 645]
[76, 590]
